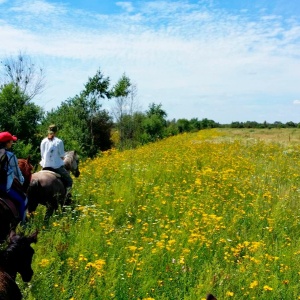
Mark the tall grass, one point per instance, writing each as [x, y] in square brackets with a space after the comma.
[177, 219]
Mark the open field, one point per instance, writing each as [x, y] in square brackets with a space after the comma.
[214, 211]
[282, 135]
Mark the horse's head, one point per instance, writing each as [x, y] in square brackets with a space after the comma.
[20, 253]
[26, 169]
[71, 161]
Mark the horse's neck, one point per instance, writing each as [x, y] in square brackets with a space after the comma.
[68, 160]
[8, 287]
[7, 264]
[26, 184]
[26, 171]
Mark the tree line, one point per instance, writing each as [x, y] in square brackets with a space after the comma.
[83, 124]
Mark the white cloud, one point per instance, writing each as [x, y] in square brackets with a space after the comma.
[297, 102]
[126, 6]
[37, 7]
[190, 58]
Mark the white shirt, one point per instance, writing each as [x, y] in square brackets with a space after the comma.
[52, 151]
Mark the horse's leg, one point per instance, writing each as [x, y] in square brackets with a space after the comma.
[49, 213]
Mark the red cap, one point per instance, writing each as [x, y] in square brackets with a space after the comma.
[5, 136]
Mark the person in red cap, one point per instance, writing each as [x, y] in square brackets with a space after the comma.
[12, 172]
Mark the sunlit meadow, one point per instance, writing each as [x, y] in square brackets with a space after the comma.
[208, 212]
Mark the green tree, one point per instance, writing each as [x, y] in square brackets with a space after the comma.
[172, 128]
[82, 124]
[20, 117]
[183, 125]
[154, 124]
[132, 129]
[155, 109]
[123, 108]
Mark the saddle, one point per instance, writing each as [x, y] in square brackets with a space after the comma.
[7, 202]
[51, 172]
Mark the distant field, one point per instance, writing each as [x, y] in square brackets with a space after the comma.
[216, 211]
[283, 135]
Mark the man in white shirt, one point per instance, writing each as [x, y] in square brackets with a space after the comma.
[52, 153]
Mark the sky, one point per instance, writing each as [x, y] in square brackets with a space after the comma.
[225, 60]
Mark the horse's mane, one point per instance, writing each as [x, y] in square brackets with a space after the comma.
[69, 158]
[15, 241]
[9, 248]
[12, 242]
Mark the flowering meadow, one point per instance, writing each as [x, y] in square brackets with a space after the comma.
[206, 212]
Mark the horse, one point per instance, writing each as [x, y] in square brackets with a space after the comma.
[26, 169]
[15, 258]
[9, 218]
[9, 215]
[46, 187]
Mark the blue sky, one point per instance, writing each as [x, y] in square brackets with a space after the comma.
[226, 60]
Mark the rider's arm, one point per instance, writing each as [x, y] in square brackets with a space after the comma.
[42, 148]
[13, 162]
[61, 149]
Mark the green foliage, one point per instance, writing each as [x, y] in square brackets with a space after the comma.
[83, 126]
[154, 127]
[155, 109]
[24, 150]
[219, 215]
[155, 123]
[97, 86]
[122, 87]
[102, 125]
[172, 128]
[20, 117]
[254, 124]
[183, 125]
[78, 129]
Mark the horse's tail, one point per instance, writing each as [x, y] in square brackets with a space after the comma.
[32, 194]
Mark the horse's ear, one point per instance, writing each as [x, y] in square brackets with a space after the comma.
[33, 237]
[28, 159]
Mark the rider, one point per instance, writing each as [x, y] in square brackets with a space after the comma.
[14, 180]
[52, 153]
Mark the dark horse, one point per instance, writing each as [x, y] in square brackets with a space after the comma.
[9, 216]
[47, 189]
[15, 258]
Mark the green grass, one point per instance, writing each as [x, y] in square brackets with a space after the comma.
[215, 211]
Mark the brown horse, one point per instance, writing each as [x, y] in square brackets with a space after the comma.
[15, 258]
[26, 169]
[9, 215]
[47, 189]
[9, 218]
